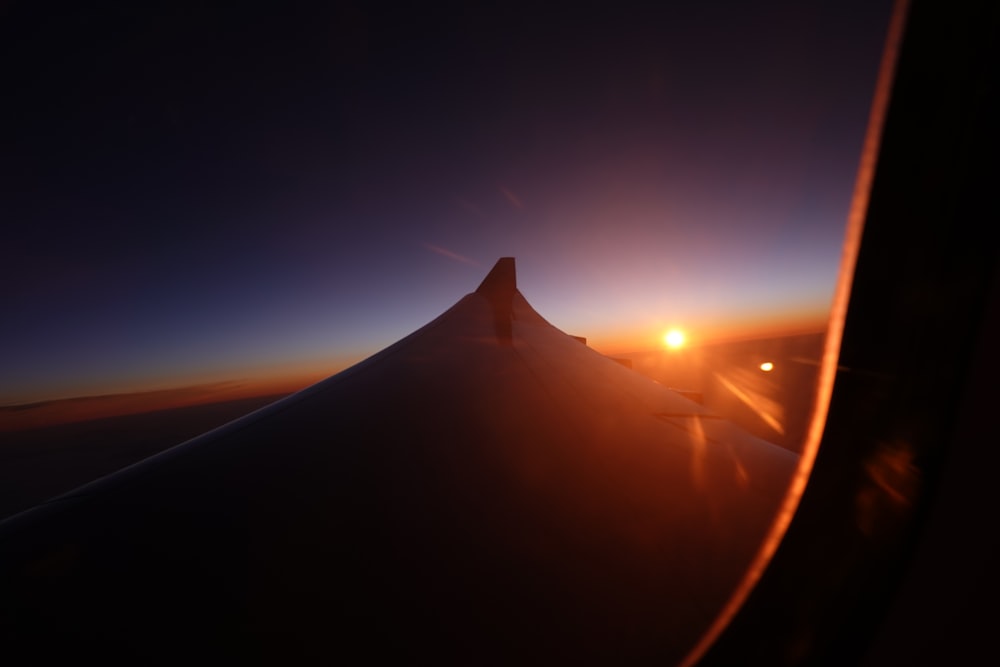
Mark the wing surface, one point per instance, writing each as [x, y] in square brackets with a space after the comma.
[487, 490]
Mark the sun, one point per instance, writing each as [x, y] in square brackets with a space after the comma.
[674, 339]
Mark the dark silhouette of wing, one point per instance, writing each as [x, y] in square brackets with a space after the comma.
[487, 490]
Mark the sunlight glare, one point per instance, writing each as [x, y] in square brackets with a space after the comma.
[673, 339]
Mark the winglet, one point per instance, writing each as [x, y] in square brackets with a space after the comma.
[501, 281]
[499, 287]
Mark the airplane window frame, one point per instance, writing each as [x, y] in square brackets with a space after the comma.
[888, 500]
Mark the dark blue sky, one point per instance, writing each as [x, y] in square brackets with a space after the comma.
[192, 193]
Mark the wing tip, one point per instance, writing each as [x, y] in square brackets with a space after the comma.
[501, 280]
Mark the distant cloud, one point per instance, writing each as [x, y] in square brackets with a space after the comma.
[469, 207]
[450, 255]
[27, 416]
[514, 200]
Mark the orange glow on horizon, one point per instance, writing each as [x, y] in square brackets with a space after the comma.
[646, 337]
[87, 408]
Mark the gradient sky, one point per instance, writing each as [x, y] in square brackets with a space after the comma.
[194, 194]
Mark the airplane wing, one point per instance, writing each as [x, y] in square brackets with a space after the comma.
[487, 490]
